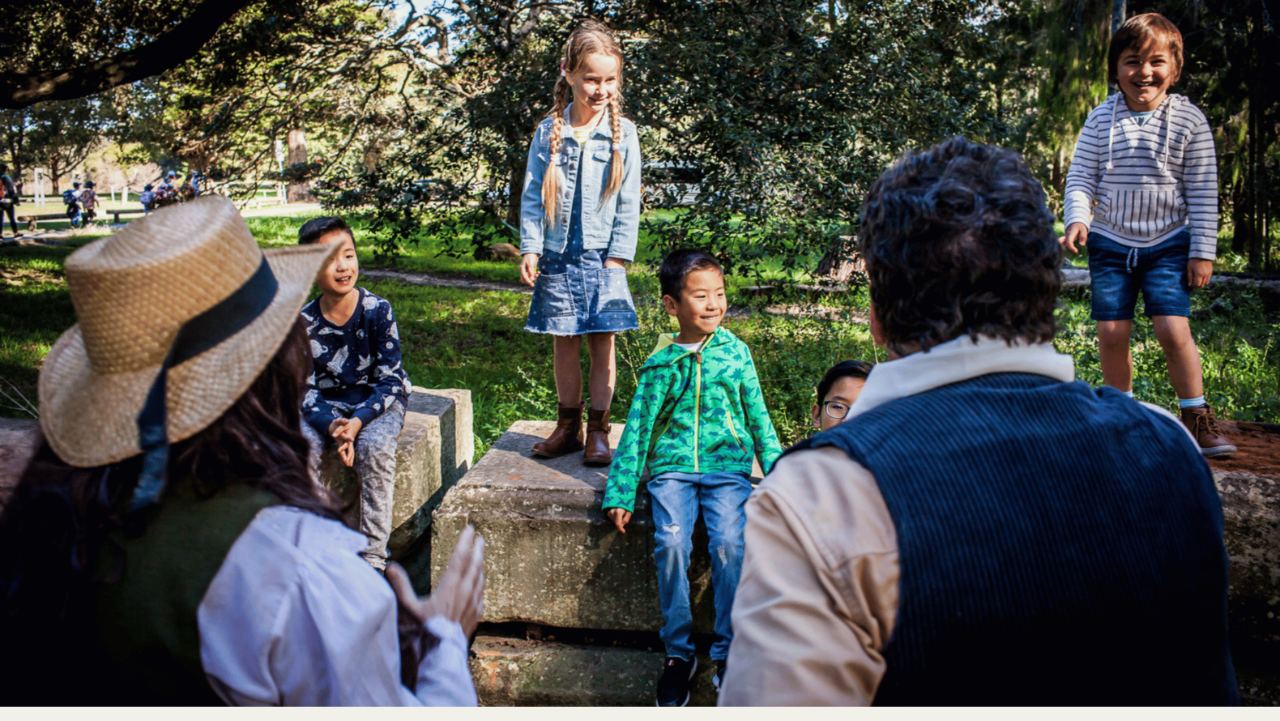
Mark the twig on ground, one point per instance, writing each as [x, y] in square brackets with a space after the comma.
[22, 405]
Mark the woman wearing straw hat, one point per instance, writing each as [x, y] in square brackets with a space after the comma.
[166, 545]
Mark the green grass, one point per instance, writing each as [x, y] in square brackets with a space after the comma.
[457, 338]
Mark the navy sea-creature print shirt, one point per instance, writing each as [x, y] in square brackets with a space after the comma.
[356, 365]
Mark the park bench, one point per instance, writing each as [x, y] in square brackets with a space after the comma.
[32, 219]
[115, 214]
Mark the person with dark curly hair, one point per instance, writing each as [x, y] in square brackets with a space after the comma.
[982, 529]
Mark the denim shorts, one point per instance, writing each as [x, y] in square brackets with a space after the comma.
[1117, 272]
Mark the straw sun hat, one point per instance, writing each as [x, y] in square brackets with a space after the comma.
[186, 291]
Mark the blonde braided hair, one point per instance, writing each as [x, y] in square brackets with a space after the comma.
[589, 38]
[551, 180]
[615, 170]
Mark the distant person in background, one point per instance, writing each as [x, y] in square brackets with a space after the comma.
[9, 196]
[72, 200]
[148, 198]
[167, 193]
[88, 203]
[837, 391]
[195, 184]
[187, 191]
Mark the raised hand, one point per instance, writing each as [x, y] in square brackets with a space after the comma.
[459, 596]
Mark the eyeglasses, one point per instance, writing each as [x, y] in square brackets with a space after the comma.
[835, 409]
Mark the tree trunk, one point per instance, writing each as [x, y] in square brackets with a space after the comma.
[515, 190]
[1239, 218]
[18, 170]
[841, 261]
[1057, 177]
[1255, 247]
[1264, 224]
[299, 190]
[1117, 16]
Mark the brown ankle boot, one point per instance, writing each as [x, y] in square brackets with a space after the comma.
[1204, 427]
[566, 438]
[597, 453]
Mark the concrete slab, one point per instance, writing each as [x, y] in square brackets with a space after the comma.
[553, 557]
[1251, 519]
[17, 445]
[516, 672]
[436, 447]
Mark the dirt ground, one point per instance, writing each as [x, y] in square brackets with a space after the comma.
[1259, 448]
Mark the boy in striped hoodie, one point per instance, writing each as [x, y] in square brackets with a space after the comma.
[1143, 192]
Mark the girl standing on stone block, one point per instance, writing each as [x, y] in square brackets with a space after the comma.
[579, 221]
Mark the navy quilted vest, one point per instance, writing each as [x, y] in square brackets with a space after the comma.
[1059, 545]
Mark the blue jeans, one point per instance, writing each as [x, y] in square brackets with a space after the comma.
[676, 500]
[1118, 272]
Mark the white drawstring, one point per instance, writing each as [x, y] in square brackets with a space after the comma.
[1112, 129]
[1131, 261]
[1168, 120]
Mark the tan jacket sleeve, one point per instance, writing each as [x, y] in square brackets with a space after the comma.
[819, 587]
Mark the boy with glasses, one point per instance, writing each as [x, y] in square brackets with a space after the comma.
[837, 391]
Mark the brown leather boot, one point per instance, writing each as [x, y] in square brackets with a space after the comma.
[597, 453]
[1208, 435]
[566, 438]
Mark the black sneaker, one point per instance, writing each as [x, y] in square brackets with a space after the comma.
[673, 687]
[718, 679]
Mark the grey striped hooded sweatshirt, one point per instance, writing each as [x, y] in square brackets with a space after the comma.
[1141, 184]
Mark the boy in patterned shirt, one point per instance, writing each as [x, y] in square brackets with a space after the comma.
[697, 421]
[358, 390]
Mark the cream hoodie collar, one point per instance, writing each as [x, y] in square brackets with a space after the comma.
[958, 360]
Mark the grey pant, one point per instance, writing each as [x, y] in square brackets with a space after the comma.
[375, 466]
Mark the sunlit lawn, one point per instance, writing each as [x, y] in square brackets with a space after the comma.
[459, 338]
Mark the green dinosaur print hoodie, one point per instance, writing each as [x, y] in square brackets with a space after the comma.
[694, 412]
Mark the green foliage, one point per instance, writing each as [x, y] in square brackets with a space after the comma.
[276, 67]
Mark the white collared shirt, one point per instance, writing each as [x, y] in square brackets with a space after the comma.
[958, 360]
[295, 617]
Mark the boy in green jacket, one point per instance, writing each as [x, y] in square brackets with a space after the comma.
[697, 420]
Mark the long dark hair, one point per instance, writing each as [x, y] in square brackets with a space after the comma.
[60, 515]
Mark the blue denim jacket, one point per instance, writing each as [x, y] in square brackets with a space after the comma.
[613, 227]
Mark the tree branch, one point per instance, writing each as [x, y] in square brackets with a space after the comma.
[19, 90]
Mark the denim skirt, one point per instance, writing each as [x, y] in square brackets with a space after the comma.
[576, 294]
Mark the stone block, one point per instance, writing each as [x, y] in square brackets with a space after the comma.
[1251, 518]
[436, 447]
[516, 672]
[553, 557]
[18, 439]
